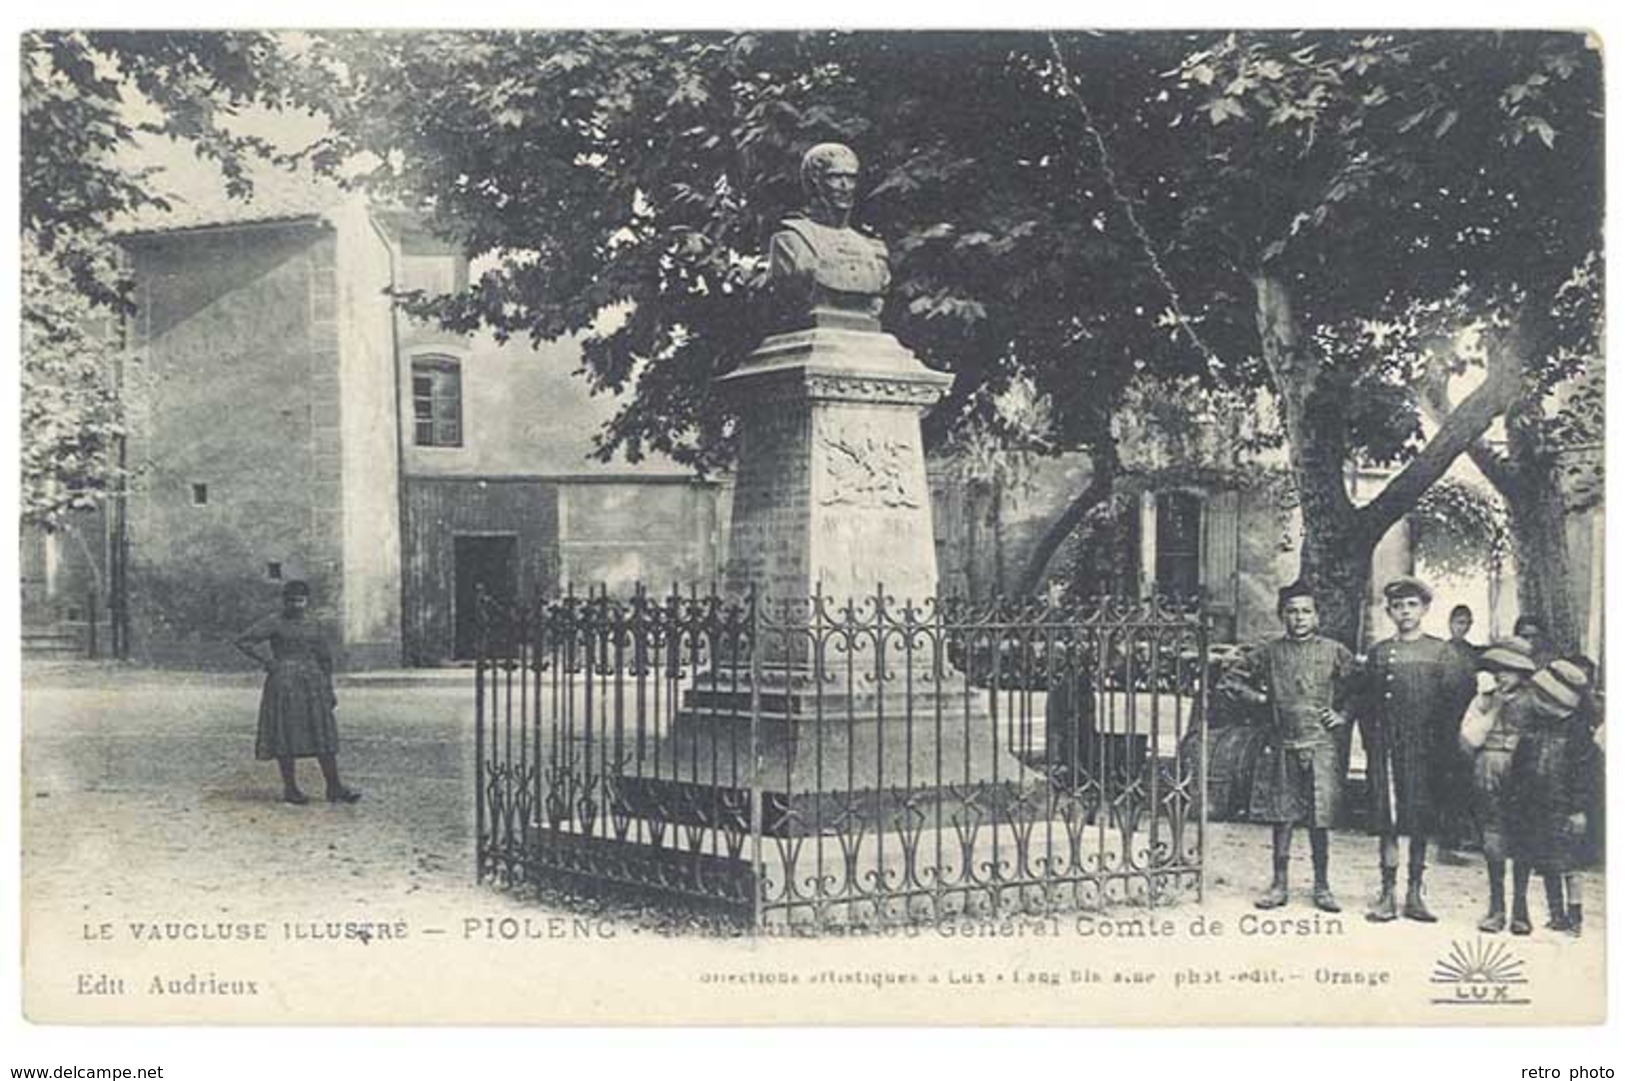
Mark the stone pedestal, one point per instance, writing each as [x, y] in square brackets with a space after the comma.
[831, 499]
[830, 494]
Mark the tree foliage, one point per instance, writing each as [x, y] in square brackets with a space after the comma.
[1351, 182]
[1067, 213]
[1460, 529]
[85, 99]
[71, 415]
[638, 176]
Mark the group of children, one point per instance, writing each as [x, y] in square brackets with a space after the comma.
[1531, 738]
[1522, 724]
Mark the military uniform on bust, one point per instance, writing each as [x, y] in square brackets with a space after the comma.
[822, 271]
[833, 267]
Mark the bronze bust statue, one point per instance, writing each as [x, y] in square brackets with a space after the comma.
[820, 269]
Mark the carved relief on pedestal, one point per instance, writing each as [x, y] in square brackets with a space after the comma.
[867, 471]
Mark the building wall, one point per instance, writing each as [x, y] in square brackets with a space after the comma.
[237, 388]
[616, 535]
[440, 509]
[64, 591]
[370, 438]
[1250, 538]
[525, 468]
[986, 535]
[577, 536]
[525, 409]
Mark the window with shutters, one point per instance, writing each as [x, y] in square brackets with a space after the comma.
[1188, 544]
[1221, 563]
[1178, 558]
[1221, 547]
[437, 402]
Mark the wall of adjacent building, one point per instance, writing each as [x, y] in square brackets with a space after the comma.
[370, 493]
[64, 586]
[237, 389]
[1249, 541]
[615, 535]
[525, 469]
[439, 510]
[985, 536]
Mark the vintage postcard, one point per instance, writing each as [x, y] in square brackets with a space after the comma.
[1007, 527]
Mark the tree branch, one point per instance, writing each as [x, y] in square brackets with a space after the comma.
[1436, 405]
[1104, 467]
[1460, 429]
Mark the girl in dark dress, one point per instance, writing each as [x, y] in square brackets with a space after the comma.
[296, 708]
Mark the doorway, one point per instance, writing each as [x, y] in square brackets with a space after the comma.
[486, 565]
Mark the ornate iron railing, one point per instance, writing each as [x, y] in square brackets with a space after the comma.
[810, 764]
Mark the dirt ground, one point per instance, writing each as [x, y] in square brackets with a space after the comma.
[141, 786]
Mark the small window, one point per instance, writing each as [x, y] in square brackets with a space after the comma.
[200, 495]
[437, 402]
[433, 274]
[273, 571]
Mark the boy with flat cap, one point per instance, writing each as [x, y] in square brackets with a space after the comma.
[1305, 679]
[1415, 685]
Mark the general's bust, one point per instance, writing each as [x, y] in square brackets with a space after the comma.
[816, 261]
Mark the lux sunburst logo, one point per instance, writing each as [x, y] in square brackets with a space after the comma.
[1480, 973]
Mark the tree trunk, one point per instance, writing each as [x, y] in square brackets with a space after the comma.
[1335, 558]
[1536, 518]
[1339, 538]
[1338, 566]
[1540, 549]
[1527, 482]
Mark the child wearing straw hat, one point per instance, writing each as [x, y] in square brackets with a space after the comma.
[1490, 728]
[1547, 791]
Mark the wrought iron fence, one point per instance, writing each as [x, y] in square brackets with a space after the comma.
[809, 764]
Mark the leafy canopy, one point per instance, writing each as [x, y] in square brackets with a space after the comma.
[621, 186]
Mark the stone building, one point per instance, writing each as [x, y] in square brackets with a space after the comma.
[1230, 544]
[286, 421]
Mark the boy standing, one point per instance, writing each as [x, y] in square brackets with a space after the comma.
[1305, 680]
[1416, 684]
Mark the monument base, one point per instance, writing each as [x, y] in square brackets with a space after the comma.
[826, 752]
